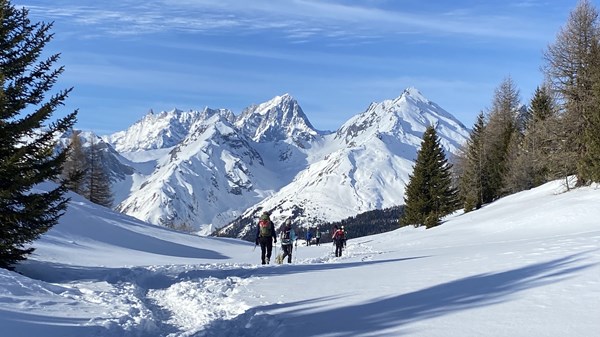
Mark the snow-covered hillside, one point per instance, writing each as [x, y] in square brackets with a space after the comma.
[209, 168]
[525, 265]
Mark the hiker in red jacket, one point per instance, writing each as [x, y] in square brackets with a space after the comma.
[338, 238]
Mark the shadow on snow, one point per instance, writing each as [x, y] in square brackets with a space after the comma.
[307, 318]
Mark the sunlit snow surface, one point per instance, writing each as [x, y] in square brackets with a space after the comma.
[526, 265]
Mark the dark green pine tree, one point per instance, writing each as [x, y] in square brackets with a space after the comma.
[429, 192]
[539, 141]
[541, 106]
[27, 145]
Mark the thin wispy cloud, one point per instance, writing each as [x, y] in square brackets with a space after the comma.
[296, 19]
[528, 3]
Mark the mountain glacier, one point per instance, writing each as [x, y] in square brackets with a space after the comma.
[204, 169]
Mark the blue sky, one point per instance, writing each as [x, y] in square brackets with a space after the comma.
[125, 57]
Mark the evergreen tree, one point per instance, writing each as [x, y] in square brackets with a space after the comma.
[99, 191]
[473, 181]
[500, 132]
[541, 107]
[430, 194]
[27, 145]
[569, 68]
[75, 166]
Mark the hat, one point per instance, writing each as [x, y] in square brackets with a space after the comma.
[265, 216]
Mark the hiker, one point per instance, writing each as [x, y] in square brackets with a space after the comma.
[338, 239]
[345, 235]
[308, 236]
[265, 235]
[318, 236]
[287, 236]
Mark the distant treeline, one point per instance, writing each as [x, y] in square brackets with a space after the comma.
[363, 224]
[238, 226]
[368, 223]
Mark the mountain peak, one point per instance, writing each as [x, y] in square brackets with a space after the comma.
[277, 119]
[277, 102]
[405, 117]
[415, 94]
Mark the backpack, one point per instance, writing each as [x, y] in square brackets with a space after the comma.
[285, 236]
[265, 227]
[339, 234]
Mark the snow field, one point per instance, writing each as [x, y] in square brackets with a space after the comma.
[527, 265]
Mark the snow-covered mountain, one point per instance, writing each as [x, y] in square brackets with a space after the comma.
[363, 166]
[205, 169]
[216, 170]
[198, 180]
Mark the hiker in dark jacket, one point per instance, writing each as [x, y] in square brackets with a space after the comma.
[265, 235]
[287, 239]
[338, 238]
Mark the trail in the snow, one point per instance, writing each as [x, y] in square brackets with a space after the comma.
[208, 295]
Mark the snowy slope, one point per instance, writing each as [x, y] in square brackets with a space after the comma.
[526, 265]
